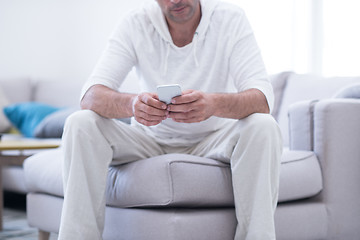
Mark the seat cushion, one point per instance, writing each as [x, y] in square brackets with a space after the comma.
[170, 180]
[300, 175]
[176, 180]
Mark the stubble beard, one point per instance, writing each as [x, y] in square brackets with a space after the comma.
[186, 12]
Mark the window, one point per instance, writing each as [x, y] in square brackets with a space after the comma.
[307, 36]
[341, 37]
[272, 22]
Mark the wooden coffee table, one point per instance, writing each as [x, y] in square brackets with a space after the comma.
[15, 156]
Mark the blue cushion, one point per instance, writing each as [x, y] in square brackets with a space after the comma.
[26, 116]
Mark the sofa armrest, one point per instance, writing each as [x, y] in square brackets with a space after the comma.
[331, 128]
[337, 146]
[337, 142]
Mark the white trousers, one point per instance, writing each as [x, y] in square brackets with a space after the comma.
[91, 143]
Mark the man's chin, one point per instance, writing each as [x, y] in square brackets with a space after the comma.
[180, 16]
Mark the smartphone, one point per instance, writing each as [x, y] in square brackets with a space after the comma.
[167, 92]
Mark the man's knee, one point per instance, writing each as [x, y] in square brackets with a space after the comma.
[261, 125]
[81, 120]
[262, 120]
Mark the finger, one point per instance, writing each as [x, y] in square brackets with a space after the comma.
[189, 120]
[150, 110]
[182, 116]
[150, 117]
[147, 122]
[182, 107]
[141, 104]
[187, 97]
[152, 100]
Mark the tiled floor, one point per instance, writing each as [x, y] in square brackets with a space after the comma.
[15, 223]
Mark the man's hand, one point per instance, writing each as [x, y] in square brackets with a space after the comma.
[148, 110]
[193, 106]
[196, 106]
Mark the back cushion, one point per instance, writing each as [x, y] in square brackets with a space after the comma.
[59, 94]
[278, 82]
[17, 90]
[67, 93]
[308, 87]
[12, 91]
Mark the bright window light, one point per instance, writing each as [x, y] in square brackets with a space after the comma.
[341, 38]
[307, 36]
[272, 22]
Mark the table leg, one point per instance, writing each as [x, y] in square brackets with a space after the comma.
[7, 160]
[43, 235]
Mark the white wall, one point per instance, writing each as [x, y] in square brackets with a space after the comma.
[56, 39]
[63, 39]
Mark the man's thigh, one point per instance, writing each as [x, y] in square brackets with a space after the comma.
[221, 144]
[130, 143]
[218, 145]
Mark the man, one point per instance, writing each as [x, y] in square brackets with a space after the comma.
[209, 49]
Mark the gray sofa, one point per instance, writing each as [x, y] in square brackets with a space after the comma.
[185, 197]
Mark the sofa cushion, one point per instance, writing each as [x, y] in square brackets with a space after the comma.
[167, 180]
[58, 93]
[350, 91]
[17, 89]
[300, 175]
[175, 180]
[278, 82]
[170, 180]
[5, 125]
[26, 116]
[52, 126]
[12, 91]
